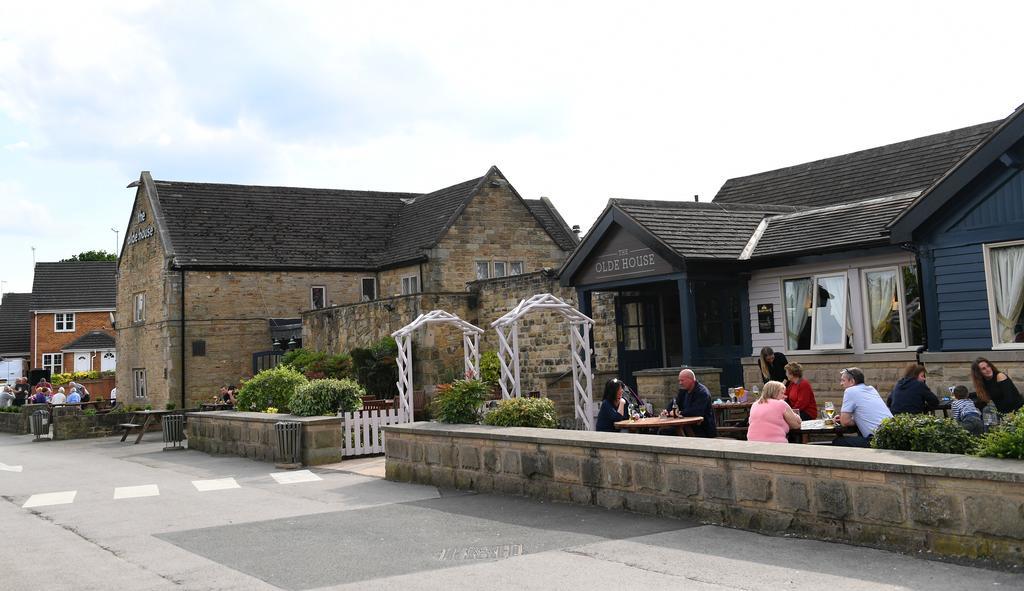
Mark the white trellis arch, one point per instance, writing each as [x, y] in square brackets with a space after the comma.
[403, 337]
[579, 351]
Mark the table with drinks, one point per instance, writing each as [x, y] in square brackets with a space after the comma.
[683, 426]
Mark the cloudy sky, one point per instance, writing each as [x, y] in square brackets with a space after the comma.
[579, 102]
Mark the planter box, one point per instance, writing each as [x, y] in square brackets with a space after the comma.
[252, 435]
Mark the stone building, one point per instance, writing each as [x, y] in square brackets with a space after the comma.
[71, 308]
[211, 274]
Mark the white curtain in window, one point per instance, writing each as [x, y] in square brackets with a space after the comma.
[881, 294]
[797, 292]
[830, 321]
[1008, 287]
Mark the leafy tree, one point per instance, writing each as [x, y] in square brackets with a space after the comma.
[92, 255]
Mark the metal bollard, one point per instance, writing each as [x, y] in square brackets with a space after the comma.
[289, 444]
[174, 432]
[40, 423]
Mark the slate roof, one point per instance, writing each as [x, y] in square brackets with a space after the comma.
[699, 230]
[75, 285]
[95, 340]
[553, 222]
[911, 165]
[244, 226]
[833, 228]
[15, 323]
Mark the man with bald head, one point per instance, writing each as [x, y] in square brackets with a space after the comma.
[694, 400]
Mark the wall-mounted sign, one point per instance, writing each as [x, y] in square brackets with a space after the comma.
[766, 318]
[139, 235]
[622, 256]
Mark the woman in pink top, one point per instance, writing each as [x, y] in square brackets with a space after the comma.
[770, 417]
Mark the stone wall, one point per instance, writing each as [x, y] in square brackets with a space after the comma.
[954, 369]
[17, 422]
[944, 504]
[251, 435]
[660, 386]
[72, 423]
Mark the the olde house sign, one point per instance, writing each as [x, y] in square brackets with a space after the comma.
[622, 256]
[140, 234]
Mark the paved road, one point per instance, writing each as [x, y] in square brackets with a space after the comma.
[100, 514]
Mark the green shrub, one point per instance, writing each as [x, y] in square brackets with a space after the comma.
[10, 409]
[271, 387]
[459, 402]
[524, 412]
[912, 432]
[327, 397]
[118, 410]
[1005, 440]
[490, 368]
[60, 379]
[170, 406]
[376, 367]
[89, 412]
[317, 364]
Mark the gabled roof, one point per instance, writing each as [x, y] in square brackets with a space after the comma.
[911, 165]
[95, 340]
[696, 230]
[244, 226]
[828, 229]
[553, 222]
[15, 324]
[990, 151]
[75, 285]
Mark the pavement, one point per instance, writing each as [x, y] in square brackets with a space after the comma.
[101, 514]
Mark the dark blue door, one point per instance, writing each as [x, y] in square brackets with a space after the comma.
[638, 327]
[719, 316]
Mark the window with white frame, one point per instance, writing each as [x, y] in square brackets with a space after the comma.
[53, 362]
[368, 289]
[140, 307]
[139, 382]
[410, 284]
[816, 312]
[317, 296]
[483, 269]
[515, 268]
[500, 269]
[64, 322]
[1004, 278]
[892, 307]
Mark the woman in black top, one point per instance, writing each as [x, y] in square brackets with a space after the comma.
[613, 407]
[992, 384]
[773, 366]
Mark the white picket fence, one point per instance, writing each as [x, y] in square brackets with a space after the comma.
[361, 431]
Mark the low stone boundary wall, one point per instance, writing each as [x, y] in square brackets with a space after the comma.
[251, 435]
[18, 422]
[946, 504]
[74, 424]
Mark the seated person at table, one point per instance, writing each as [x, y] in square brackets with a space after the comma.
[40, 396]
[770, 417]
[799, 393]
[773, 365]
[965, 413]
[862, 406]
[694, 400]
[82, 391]
[911, 393]
[74, 397]
[613, 407]
[995, 386]
[59, 397]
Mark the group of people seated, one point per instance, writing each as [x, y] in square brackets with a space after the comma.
[227, 394]
[787, 400]
[42, 393]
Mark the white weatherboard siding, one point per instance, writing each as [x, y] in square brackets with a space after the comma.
[765, 287]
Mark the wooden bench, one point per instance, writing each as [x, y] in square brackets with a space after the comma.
[128, 428]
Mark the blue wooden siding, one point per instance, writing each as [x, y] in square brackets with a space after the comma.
[962, 299]
[1003, 206]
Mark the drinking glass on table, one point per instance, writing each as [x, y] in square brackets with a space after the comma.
[830, 414]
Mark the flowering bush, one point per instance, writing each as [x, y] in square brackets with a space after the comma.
[459, 402]
[271, 410]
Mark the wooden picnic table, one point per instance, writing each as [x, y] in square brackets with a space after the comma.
[817, 427]
[147, 417]
[682, 425]
[731, 412]
[215, 406]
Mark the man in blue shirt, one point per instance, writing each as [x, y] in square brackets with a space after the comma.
[694, 400]
[74, 397]
[862, 406]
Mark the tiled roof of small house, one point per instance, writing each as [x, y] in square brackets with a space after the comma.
[553, 222]
[95, 340]
[244, 226]
[699, 230]
[911, 165]
[15, 323]
[75, 285]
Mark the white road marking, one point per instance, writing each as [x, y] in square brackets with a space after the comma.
[218, 484]
[47, 499]
[295, 477]
[131, 492]
[6, 468]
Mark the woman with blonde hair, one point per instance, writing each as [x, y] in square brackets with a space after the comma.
[772, 364]
[770, 417]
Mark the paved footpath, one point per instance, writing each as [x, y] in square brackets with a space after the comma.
[101, 514]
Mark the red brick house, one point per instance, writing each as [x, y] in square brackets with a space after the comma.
[71, 310]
